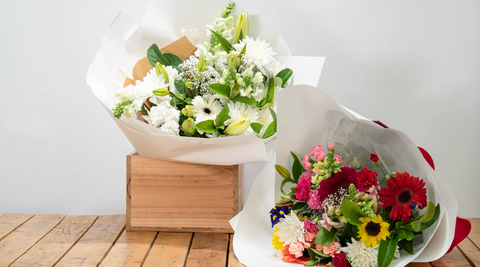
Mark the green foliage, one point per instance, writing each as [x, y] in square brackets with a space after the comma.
[325, 237]
[221, 89]
[226, 45]
[352, 212]
[222, 117]
[349, 231]
[206, 126]
[386, 251]
[285, 74]
[180, 86]
[270, 91]
[173, 59]
[256, 127]
[272, 127]
[154, 55]
[120, 108]
[246, 100]
[423, 222]
[407, 245]
[297, 168]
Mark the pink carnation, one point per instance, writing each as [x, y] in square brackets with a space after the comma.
[306, 175]
[331, 146]
[332, 249]
[319, 247]
[306, 162]
[338, 158]
[320, 155]
[296, 248]
[280, 254]
[303, 187]
[314, 200]
[310, 226]
[315, 150]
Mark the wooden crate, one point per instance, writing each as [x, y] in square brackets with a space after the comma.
[181, 197]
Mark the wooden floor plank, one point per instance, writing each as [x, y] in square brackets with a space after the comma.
[208, 249]
[25, 236]
[452, 259]
[169, 249]
[96, 243]
[130, 249]
[475, 233]
[56, 243]
[419, 264]
[471, 251]
[233, 261]
[10, 222]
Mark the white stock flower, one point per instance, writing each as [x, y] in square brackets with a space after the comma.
[290, 229]
[258, 54]
[217, 59]
[240, 111]
[360, 255]
[205, 108]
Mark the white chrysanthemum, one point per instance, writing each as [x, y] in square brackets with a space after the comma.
[240, 111]
[276, 68]
[206, 108]
[360, 255]
[290, 229]
[264, 118]
[258, 54]
[170, 126]
[162, 113]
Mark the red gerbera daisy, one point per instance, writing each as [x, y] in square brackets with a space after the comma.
[402, 191]
[339, 180]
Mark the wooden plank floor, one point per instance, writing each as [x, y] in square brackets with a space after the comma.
[61, 240]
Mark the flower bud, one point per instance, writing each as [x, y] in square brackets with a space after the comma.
[282, 171]
[188, 111]
[237, 127]
[159, 69]
[188, 126]
[343, 220]
[202, 64]
[161, 92]
[233, 60]
[338, 212]
[241, 27]
[331, 210]
[188, 85]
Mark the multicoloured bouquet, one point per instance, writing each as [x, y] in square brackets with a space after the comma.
[340, 213]
[226, 88]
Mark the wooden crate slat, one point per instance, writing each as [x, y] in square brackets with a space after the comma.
[24, 237]
[10, 222]
[208, 249]
[96, 243]
[475, 233]
[470, 251]
[129, 250]
[419, 264]
[56, 243]
[454, 258]
[169, 249]
[232, 259]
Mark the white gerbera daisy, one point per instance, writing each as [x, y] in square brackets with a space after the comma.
[240, 111]
[360, 255]
[290, 229]
[258, 53]
[161, 114]
[205, 108]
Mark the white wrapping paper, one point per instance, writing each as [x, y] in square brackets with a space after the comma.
[309, 117]
[125, 43]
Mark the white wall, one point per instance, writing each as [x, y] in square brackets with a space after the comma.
[414, 65]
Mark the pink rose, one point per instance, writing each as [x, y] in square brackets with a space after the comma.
[306, 162]
[296, 248]
[316, 149]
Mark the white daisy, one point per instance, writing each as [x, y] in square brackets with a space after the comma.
[240, 111]
[161, 114]
[206, 108]
[290, 229]
[359, 255]
[264, 118]
[258, 54]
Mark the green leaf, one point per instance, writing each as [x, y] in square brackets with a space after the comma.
[297, 168]
[154, 55]
[299, 205]
[285, 181]
[418, 225]
[244, 49]
[262, 103]
[271, 91]
[405, 234]
[407, 245]
[175, 101]
[222, 117]
[285, 74]
[173, 59]
[246, 100]
[320, 254]
[349, 231]
[277, 81]
[325, 237]
[274, 115]
[352, 212]
[270, 130]
[221, 89]
[226, 45]
[206, 126]
[256, 127]
[428, 215]
[180, 86]
[386, 251]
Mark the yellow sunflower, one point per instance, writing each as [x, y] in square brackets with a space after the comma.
[373, 230]
[276, 241]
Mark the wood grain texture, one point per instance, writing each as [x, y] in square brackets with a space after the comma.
[95, 244]
[179, 229]
[454, 259]
[233, 261]
[10, 222]
[419, 264]
[169, 249]
[129, 250]
[177, 196]
[208, 249]
[475, 233]
[57, 242]
[24, 237]
[470, 251]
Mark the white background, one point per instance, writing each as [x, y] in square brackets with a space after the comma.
[414, 65]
